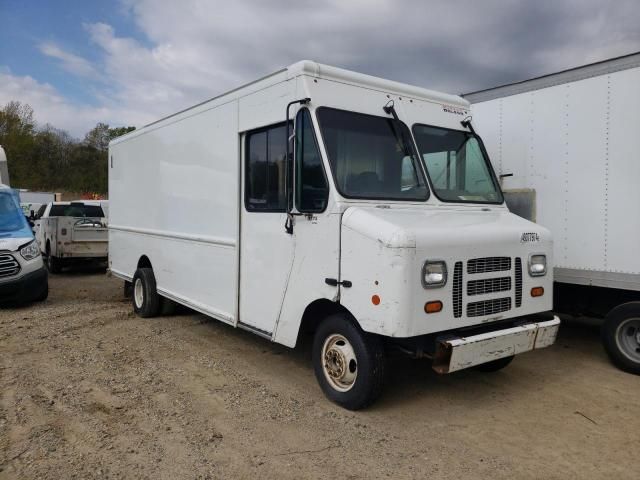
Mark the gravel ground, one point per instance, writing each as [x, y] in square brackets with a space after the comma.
[87, 390]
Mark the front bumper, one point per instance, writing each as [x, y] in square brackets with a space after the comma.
[458, 353]
[24, 288]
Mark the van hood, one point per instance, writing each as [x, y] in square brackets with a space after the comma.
[442, 226]
[14, 243]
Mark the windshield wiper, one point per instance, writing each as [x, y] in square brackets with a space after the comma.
[390, 109]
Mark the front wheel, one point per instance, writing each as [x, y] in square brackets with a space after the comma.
[494, 365]
[146, 301]
[349, 364]
[44, 293]
[621, 336]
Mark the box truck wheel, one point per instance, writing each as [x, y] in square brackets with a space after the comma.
[349, 363]
[621, 336]
[146, 301]
[494, 365]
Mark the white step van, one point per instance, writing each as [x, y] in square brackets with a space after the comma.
[380, 224]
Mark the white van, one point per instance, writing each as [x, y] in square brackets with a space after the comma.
[23, 277]
[384, 228]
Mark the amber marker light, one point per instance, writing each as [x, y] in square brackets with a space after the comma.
[537, 291]
[375, 300]
[433, 307]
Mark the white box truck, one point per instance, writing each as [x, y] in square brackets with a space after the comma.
[372, 219]
[4, 168]
[568, 149]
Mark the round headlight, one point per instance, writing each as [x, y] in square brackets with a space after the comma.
[434, 274]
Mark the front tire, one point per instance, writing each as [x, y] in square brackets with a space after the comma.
[146, 301]
[349, 364]
[494, 365]
[621, 336]
[44, 294]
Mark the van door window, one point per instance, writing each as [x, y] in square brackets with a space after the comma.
[265, 169]
[312, 189]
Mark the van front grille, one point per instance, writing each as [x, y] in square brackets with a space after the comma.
[9, 266]
[518, 276]
[457, 290]
[488, 285]
[488, 307]
[488, 264]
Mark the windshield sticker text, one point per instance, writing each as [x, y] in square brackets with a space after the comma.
[455, 110]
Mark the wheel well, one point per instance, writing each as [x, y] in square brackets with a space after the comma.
[315, 312]
[144, 262]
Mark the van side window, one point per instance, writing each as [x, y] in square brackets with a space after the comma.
[312, 189]
[265, 170]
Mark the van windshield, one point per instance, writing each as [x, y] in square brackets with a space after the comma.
[457, 166]
[11, 217]
[371, 157]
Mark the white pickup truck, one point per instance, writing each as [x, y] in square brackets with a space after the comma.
[70, 232]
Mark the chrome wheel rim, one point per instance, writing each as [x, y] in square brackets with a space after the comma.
[628, 338]
[138, 293]
[339, 363]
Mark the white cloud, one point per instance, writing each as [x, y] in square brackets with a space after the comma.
[51, 107]
[70, 62]
[194, 49]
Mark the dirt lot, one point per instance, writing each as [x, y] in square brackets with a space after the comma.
[87, 390]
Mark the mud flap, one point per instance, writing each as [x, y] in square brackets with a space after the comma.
[458, 353]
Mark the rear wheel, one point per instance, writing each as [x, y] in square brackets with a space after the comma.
[494, 365]
[621, 336]
[146, 301]
[349, 364]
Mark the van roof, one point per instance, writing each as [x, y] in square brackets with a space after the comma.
[318, 70]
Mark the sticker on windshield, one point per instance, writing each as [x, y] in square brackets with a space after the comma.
[455, 110]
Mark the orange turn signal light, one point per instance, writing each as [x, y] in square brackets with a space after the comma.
[375, 299]
[433, 307]
[537, 291]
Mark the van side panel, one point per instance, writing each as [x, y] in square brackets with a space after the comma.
[174, 197]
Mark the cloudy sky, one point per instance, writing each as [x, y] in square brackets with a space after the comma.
[126, 62]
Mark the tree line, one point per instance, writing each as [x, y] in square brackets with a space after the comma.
[48, 158]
